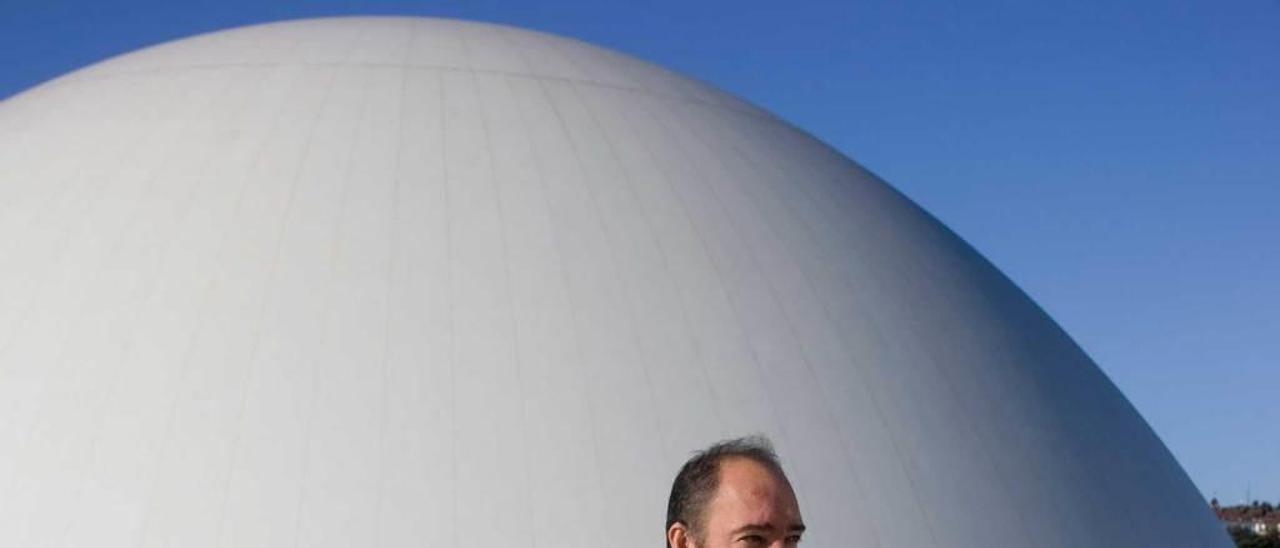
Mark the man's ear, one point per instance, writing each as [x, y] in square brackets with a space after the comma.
[678, 536]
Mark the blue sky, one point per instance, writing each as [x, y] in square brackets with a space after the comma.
[1119, 160]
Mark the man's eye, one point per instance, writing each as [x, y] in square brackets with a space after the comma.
[753, 540]
[793, 540]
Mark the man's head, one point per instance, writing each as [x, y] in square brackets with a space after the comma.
[733, 494]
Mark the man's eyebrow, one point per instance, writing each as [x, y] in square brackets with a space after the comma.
[766, 527]
[753, 527]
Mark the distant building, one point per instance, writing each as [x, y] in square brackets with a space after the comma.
[1258, 519]
[1268, 524]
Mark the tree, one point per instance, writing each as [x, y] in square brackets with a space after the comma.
[1245, 538]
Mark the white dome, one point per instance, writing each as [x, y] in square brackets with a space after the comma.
[415, 282]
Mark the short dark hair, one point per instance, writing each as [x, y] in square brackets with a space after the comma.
[699, 478]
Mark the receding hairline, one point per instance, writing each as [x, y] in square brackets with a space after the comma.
[772, 466]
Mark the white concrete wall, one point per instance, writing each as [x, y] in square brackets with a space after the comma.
[412, 282]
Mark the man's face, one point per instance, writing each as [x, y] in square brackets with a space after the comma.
[753, 508]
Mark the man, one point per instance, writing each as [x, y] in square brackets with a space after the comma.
[733, 494]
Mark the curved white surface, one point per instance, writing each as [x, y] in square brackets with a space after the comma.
[413, 282]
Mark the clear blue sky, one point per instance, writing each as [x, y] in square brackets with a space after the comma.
[1119, 160]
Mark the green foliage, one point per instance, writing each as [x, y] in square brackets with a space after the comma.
[1246, 539]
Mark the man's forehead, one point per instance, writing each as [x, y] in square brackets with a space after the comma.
[753, 482]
